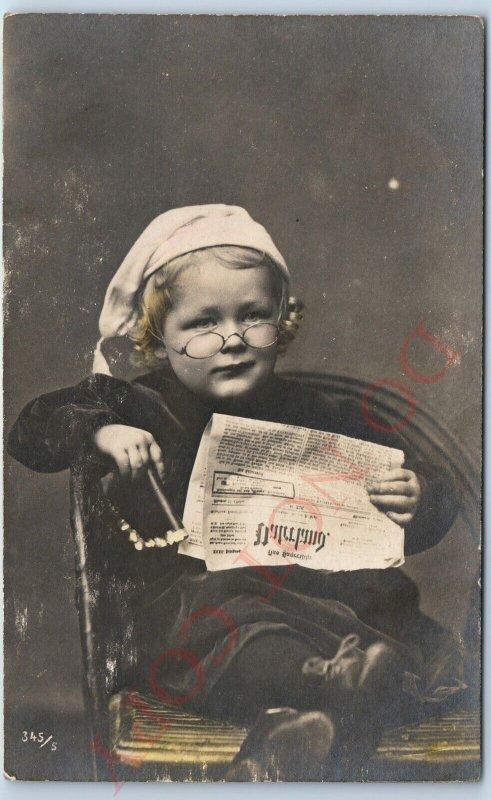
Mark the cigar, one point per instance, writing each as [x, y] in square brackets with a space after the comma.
[177, 532]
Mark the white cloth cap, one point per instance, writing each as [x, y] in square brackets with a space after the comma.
[169, 235]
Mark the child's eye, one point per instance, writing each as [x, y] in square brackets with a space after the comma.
[203, 323]
[255, 316]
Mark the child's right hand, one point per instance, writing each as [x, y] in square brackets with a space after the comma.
[132, 449]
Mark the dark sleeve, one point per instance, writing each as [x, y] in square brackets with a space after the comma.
[56, 430]
[440, 499]
[439, 502]
[438, 506]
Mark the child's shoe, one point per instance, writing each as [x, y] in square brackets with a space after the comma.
[360, 688]
[285, 745]
[355, 674]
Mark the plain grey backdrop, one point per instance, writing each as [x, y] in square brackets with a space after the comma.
[308, 123]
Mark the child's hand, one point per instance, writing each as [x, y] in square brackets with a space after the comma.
[131, 448]
[397, 493]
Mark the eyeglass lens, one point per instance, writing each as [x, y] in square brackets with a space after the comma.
[205, 345]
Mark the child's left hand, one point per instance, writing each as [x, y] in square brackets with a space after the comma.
[397, 493]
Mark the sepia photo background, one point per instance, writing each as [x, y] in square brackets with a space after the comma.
[356, 141]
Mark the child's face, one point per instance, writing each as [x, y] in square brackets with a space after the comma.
[214, 297]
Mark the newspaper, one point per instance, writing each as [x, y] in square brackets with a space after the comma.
[268, 493]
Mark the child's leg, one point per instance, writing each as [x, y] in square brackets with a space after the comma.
[268, 673]
[265, 673]
[281, 669]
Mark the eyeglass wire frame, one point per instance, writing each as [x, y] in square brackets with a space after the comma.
[183, 350]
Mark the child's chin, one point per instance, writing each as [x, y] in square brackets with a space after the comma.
[229, 388]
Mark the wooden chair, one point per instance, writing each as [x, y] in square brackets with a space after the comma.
[136, 738]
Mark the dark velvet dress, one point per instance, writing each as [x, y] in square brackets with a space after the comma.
[193, 626]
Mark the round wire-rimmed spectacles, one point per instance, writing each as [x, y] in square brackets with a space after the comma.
[210, 343]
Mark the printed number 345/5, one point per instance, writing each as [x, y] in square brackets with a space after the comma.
[39, 738]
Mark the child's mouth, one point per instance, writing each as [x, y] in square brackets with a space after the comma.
[234, 369]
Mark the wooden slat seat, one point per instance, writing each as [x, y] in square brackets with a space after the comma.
[155, 732]
[171, 743]
[443, 739]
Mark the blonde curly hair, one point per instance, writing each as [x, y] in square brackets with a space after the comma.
[155, 299]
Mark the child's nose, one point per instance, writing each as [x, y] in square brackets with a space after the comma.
[232, 341]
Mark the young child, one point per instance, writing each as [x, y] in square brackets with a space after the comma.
[205, 295]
